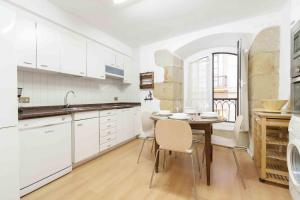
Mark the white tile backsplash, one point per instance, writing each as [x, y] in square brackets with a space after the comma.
[46, 89]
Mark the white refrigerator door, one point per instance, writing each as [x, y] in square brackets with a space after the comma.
[8, 69]
[9, 164]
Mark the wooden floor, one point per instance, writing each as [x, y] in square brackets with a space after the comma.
[116, 176]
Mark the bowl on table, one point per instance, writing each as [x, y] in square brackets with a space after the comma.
[273, 104]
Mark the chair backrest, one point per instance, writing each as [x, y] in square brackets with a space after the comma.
[147, 124]
[173, 135]
[237, 128]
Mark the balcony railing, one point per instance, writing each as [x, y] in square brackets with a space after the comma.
[226, 108]
[220, 81]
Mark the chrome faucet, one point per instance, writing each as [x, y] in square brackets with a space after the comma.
[66, 104]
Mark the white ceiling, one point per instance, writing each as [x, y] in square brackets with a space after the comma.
[139, 22]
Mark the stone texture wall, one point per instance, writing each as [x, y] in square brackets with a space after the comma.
[264, 67]
[170, 91]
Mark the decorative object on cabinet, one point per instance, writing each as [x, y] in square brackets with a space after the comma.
[270, 135]
[147, 80]
[149, 97]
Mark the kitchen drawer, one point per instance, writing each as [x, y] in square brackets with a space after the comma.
[107, 113]
[108, 125]
[108, 138]
[45, 121]
[107, 132]
[107, 119]
[107, 145]
[86, 115]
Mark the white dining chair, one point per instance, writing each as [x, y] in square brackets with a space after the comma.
[230, 143]
[148, 131]
[175, 136]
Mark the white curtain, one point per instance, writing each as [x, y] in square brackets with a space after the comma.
[199, 95]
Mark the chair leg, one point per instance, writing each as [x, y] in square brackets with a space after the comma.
[144, 140]
[152, 146]
[238, 168]
[194, 177]
[164, 163]
[156, 155]
[198, 162]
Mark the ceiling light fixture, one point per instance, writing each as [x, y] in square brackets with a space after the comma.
[119, 1]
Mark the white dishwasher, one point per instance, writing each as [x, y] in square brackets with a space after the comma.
[45, 151]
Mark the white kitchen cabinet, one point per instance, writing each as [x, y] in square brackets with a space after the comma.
[48, 47]
[108, 130]
[95, 60]
[9, 164]
[125, 125]
[26, 42]
[137, 121]
[45, 151]
[109, 57]
[128, 71]
[85, 136]
[73, 53]
[119, 60]
[8, 70]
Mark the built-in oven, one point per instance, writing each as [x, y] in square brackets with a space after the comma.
[295, 97]
[295, 53]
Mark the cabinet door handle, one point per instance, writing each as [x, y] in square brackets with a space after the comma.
[82, 73]
[79, 124]
[44, 65]
[49, 131]
[108, 119]
[108, 139]
[108, 126]
[28, 63]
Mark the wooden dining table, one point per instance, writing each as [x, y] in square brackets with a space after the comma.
[196, 123]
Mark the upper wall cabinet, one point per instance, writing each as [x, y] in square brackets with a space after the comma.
[109, 57]
[95, 60]
[26, 42]
[73, 53]
[120, 61]
[48, 48]
[128, 70]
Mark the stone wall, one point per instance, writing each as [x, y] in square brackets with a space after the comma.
[170, 91]
[264, 67]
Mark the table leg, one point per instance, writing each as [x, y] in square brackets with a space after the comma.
[208, 153]
[211, 146]
[157, 163]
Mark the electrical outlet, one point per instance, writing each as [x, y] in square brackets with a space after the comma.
[116, 98]
[24, 100]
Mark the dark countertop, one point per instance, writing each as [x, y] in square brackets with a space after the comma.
[48, 111]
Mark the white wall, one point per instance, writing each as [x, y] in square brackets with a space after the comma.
[43, 9]
[285, 55]
[146, 54]
[295, 10]
[46, 89]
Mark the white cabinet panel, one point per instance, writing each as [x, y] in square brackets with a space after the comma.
[44, 151]
[26, 42]
[73, 53]
[119, 61]
[124, 125]
[110, 57]
[137, 121]
[128, 71]
[95, 60]
[48, 47]
[9, 163]
[8, 69]
[86, 139]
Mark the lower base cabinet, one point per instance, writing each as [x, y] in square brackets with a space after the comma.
[85, 135]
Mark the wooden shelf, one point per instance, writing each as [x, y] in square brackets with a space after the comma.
[276, 141]
[277, 167]
[275, 178]
[274, 154]
[147, 80]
